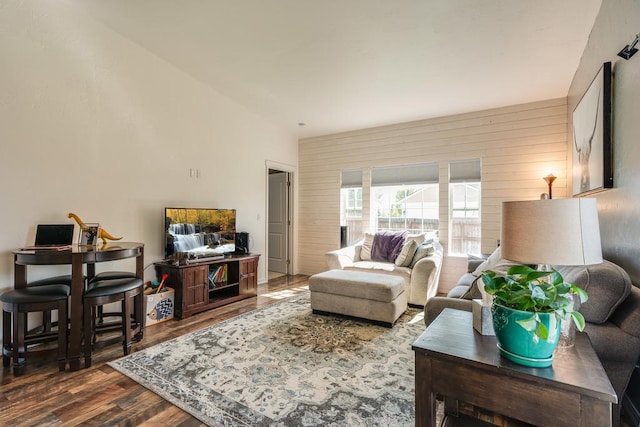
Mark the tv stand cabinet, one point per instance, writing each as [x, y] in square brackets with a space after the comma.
[205, 285]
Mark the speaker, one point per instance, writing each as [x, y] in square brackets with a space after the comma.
[344, 231]
[242, 243]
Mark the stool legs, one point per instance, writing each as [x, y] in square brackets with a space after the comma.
[19, 332]
[127, 307]
[63, 345]
[132, 308]
[14, 336]
[6, 338]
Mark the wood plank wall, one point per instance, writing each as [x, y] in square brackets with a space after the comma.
[517, 146]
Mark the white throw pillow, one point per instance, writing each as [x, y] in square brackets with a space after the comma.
[367, 244]
[418, 238]
[406, 255]
[496, 263]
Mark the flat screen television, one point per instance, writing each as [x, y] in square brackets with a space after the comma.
[199, 232]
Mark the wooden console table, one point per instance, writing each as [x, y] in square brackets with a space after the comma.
[454, 361]
[78, 256]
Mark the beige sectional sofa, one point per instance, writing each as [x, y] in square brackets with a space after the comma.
[420, 277]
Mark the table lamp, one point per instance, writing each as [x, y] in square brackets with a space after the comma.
[552, 232]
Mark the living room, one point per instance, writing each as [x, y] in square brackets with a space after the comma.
[99, 123]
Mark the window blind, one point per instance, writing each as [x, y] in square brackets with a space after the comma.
[465, 171]
[351, 178]
[423, 173]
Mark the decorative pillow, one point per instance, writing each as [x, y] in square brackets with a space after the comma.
[424, 250]
[418, 238]
[474, 290]
[387, 245]
[496, 263]
[367, 244]
[407, 253]
[431, 235]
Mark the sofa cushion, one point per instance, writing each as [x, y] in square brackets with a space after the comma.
[458, 291]
[370, 286]
[406, 254]
[367, 244]
[419, 238]
[606, 283]
[424, 250]
[381, 268]
[473, 291]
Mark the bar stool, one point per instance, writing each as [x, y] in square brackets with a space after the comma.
[127, 291]
[109, 275]
[16, 304]
[56, 280]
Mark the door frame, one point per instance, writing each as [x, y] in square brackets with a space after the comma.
[290, 170]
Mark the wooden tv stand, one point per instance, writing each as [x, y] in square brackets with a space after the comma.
[195, 291]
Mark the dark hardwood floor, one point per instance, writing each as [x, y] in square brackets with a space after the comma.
[99, 395]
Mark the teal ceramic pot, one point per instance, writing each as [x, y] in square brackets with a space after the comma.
[522, 346]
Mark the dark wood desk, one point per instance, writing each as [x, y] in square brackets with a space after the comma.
[78, 256]
[456, 362]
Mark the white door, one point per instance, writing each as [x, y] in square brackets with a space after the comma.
[278, 221]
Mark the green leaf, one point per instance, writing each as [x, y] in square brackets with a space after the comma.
[578, 319]
[529, 324]
[519, 269]
[582, 294]
[542, 331]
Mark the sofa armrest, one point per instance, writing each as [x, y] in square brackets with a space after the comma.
[344, 257]
[425, 277]
[436, 305]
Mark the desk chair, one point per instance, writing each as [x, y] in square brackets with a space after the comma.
[17, 303]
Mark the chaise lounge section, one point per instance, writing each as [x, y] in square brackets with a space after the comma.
[419, 268]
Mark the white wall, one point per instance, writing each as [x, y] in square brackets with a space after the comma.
[516, 144]
[619, 208]
[91, 123]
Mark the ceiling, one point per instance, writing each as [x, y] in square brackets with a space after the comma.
[338, 65]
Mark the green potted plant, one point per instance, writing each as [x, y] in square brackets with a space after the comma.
[528, 308]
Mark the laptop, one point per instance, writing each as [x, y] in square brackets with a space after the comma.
[53, 236]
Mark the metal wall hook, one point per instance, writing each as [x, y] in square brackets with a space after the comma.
[629, 50]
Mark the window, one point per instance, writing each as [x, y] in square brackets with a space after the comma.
[464, 207]
[405, 198]
[351, 204]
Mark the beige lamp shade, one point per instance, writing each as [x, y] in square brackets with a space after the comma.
[554, 232]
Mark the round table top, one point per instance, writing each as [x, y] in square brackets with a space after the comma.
[86, 254]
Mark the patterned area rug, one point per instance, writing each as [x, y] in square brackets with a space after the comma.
[281, 365]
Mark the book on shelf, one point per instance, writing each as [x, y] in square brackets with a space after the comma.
[217, 274]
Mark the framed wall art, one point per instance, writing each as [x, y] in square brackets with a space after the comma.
[592, 151]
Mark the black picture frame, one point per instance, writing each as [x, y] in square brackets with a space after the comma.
[591, 139]
[89, 235]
